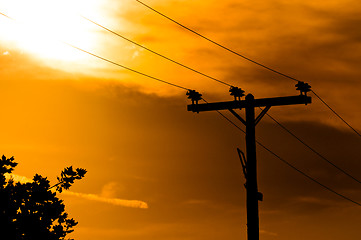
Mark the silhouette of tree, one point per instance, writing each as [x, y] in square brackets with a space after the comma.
[32, 211]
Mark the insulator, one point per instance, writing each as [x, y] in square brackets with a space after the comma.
[236, 92]
[303, 87]
[194, 95]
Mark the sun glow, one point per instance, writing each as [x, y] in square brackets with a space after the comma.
[40, 27]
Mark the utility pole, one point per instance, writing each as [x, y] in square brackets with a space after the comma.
[249, 164]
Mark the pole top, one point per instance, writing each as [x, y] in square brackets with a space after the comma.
[249, 97]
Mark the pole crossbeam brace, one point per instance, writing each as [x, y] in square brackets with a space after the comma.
[261, 102]
[260, 116]
[237, 116]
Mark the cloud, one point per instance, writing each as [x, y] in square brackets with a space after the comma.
[114, 201]
[196, 202]
[110, 190]
[18, 178]
[268, 233]
[93, 197]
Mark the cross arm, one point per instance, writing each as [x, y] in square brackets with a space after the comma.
[262, 102]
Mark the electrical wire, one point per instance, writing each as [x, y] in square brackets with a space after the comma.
[312, 149]
[196, 71]
[246, 58]
[292, 166]
[114, 63]
[181, 87]
[338, 115]
[282, 126]
[6, 16]
[183, 65]
[152, 51]
[218, 44]
[267, 149]
[308, 176]
[130, 69]
[229, 120]
[284, 161]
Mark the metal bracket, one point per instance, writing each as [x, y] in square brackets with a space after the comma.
[242, 157]
[237, 116]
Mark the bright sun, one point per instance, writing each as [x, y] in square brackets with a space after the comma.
[41, 27]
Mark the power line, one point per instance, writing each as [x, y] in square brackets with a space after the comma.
[158, 54]
[181, 87]
[267, 149]
[286, 162]
[6, 16]
[130, 69]
[282, 126]
[157, 79]
[229, 120]
[292, 166]
[114, 63]
[308, 176]
[216, 43]
[312, 149]
[246, 58]
[338, 115]
[196, 71]
[183, 65]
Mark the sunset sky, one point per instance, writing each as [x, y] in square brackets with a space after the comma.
[155, 170]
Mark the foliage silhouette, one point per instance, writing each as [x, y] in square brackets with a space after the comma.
[31, 210]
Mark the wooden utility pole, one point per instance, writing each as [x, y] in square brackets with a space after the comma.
[250, 163]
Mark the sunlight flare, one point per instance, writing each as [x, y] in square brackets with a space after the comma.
[41, 27]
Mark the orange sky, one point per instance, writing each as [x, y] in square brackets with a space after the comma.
[62, 107]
